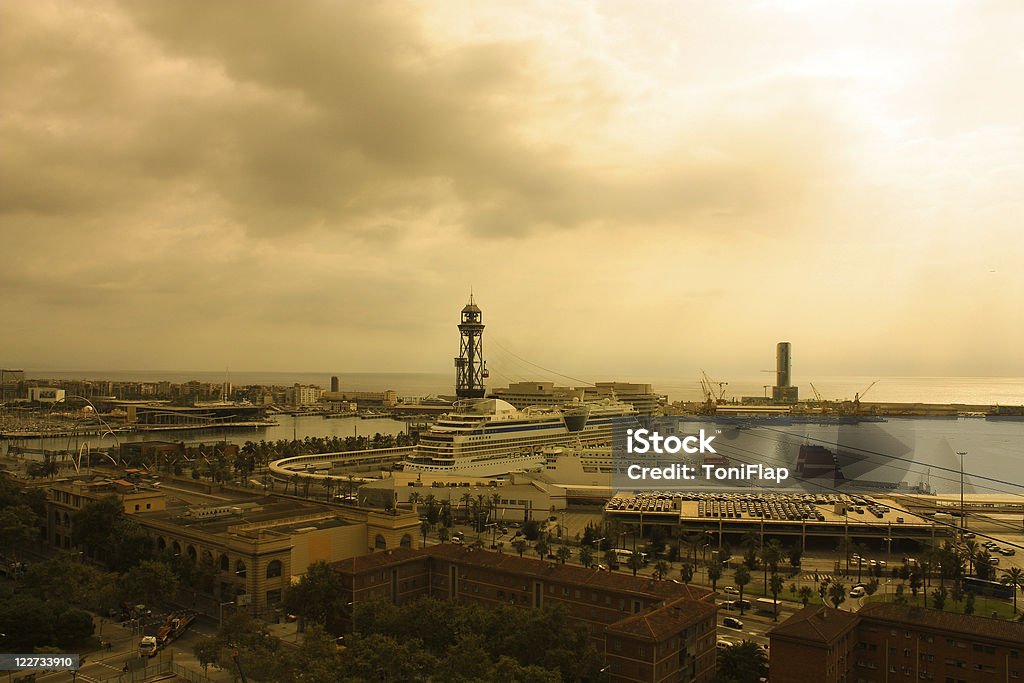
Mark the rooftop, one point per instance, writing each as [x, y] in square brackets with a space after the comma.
[665, 620]
[933, 620]
[816, 623]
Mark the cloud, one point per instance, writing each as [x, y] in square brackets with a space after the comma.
[331, 178]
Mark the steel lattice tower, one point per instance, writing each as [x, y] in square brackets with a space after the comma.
[469, 366]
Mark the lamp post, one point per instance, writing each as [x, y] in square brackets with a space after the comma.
[963, 520]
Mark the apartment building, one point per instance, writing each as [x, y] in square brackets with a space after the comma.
[656, 631]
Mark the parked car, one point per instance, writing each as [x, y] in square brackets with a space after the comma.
[730, 590]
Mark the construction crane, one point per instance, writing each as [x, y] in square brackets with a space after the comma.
[817, 394]
[708, 385]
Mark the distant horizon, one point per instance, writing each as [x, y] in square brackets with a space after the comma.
[975, 390]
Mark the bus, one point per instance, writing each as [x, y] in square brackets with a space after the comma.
[764, 605]
[994, 589]
[622, 556]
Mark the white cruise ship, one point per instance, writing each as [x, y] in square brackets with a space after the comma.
[490, 437]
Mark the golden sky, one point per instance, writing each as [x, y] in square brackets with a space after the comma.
[629, 188]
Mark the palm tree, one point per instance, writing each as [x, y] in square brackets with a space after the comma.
[970, 551]
[563, 553]
[443, 534]
[771, 553]
[425, 528]
[661, 570]
[541, 547]
[586, 556]
[611, 559]
[1014, 578]
[837, 594]
[635, 562]
[805, 593]
[714, 574]
[686, 573]
[776, 586]
[520, 545]
[741, 577]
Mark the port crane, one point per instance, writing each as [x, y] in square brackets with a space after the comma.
[817, 394]
[857, 397]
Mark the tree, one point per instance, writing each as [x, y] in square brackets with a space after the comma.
[563, 553]
[744, 662]
[915, 583]
[795, 557]
[425, 528]
[586, 556]
[805, 593]
[823, 590]
[19, 526]
[686, 573]
[611, 559]
[775, 584]
[520, 546]
[206, 650]
[635, 562]
[939, 598]
[150, 583]
[837, 594]
[714, 574]
[1014, 578]
[443, 534]
[320, 596]
[661, 570]
[957, 592]
[741, 577]
[771, 553]
[969, 603]
[983, 565]
[541, 546]
[531, 529]
[901, 598]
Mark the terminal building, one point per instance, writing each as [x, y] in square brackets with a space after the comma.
[656, 631]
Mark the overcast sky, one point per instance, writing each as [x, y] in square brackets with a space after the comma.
[629, 189]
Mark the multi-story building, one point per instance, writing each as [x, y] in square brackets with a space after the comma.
[253, 543]
[304, 395]
[890, 642]
[45, 394]
[10, 383]
[647, 630]
[526, 394]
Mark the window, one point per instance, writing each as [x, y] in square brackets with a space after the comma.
[274, 569]
[273, 597]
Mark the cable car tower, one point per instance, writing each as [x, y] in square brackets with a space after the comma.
[470, 367]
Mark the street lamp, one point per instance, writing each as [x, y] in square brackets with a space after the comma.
[963, 520]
